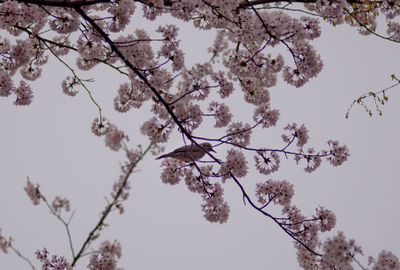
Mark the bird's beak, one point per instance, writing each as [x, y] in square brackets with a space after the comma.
[212, 150]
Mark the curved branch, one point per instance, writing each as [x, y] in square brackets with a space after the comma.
[260, 209]
[136, 71]
[70, 4]
[246, 4]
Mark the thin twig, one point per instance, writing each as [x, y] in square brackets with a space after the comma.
[19, 254]
[108, 209]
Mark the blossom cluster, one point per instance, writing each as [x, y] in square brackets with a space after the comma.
[59, 203]
[106, 258]
[306, 230]
[279, 192]
[339, 252]
[221, 114]
[33, 192]
[53, 262]
[215, 208]
[267, 164]
[239, 133]
[301, 134]
[113, 136]
[386, 261]
[236, 165]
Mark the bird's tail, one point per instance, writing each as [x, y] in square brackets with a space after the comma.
[162, 156]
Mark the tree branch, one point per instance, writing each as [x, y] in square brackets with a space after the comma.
[70, 4]
[108, 209]
[260, 209]
[246, 4]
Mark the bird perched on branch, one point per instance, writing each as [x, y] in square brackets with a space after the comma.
[189, 152]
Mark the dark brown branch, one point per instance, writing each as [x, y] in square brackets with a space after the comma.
[70, 4]
[245, 4]
[259, 209]
[81, 3]
[137, 72]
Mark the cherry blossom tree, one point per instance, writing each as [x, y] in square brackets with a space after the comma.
[256, 43]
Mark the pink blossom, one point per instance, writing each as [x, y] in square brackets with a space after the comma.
[193, 182]
[295, 217]
[215, 208]
[65, 21]
[140, 54]
[236, 164]
[199, 183]
[313, 160]
[310, 28]
[69, 84]
[267, 165]
[264, 115]
[189, 115]
[390, 8]
[102, 261]
[255, 94]
[279, 192]
[100, 126]
[121, 11]
[129, 96]
[308, 64]
[113, 249]
[21, 52]
[173, 171]
[31, 72]
[225, 86]
[114, 138]
[220, 44]
[169, 31]
[24, 94]
[33, 192]
[239, 133]
[59, 203]
[9, 9]
[52, 263]
[386, 261]
[301, 134]
[338, 154]
[221, 113]
[327, 219]
[338, 252]
[194, 82]
[170, 49]
[215, 212]
[394, 31]
[156, 132]
[62, 47]
[6, 84]
[153, 9]
[306, 259]
[29, 13]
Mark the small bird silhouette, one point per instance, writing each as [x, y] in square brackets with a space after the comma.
[189, 152]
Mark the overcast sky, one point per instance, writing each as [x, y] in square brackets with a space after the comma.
[50, 141]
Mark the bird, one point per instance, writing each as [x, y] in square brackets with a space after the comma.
[189, 152]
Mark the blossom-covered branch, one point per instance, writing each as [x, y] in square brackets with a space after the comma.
[179, 96]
